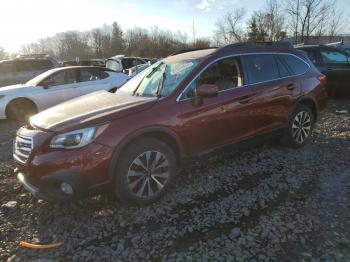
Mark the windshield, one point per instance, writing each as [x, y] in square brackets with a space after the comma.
[160, 79]
[36, 80]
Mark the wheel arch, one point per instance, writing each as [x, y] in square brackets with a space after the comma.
[22, 98]
[310, 102]
[163, 134]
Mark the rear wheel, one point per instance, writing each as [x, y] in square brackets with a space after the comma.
[20, 110]
[299, 127]
[144, 172]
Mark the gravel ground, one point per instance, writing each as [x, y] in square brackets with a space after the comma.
[262, 204]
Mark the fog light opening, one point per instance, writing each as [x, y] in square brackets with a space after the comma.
[66, 188]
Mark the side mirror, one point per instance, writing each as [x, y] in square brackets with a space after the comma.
[207, 90]
[204, 91]
[46, 84]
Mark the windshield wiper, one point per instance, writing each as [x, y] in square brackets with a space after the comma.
[146, 76]
[161, 83]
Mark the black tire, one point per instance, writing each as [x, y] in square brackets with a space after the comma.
[132, 178]
[113, 89]
[20, 110]
[295, 135]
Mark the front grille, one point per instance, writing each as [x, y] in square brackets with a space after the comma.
[23, 147]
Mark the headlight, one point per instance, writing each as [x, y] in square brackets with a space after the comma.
[2, 96]
[77, 138]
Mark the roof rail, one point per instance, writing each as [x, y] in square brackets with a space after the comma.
[255, 45]
[32, 56]
[186, 50]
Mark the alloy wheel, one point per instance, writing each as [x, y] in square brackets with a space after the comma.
[148, 174]
[301, 127]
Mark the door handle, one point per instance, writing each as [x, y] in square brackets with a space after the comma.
[329, 68]
[291, 86]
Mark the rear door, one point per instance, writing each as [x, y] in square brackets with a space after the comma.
[337, 66]
[274, 90]
[61, 87]
[91, 80]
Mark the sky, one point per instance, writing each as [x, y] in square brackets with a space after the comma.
[26, 21]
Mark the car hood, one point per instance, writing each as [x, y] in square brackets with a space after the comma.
[9, 89]
[94, 108]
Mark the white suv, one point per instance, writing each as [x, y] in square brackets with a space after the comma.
[19, 102]
[24, 68]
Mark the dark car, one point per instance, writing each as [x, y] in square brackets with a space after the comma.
[86, 62]
[133, 142]
[24, 68]
[333, 63]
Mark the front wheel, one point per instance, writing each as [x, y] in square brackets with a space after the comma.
[299, 127]
[144, 172]
[20, 110]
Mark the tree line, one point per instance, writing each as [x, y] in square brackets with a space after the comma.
[110, 40]
[277, 20]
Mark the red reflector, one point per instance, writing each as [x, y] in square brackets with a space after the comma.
[322, 79]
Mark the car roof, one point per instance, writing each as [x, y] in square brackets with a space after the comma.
[81, 67]
[190, 55]
[231, 48]
[309, 47]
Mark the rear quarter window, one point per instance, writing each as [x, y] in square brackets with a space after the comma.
[296, 65]
[41, 64]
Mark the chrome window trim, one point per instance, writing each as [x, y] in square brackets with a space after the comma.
[178, 99]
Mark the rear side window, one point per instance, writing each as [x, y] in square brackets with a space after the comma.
[24, 65]
[261, 68]
[41, 64]
[92, 75]
[282, 67]
[7, 67]
[296, 65]
[312, 56]
[330, 56]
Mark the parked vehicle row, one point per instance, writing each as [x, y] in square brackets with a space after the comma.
[19, 102]
[24, 68]
[132, 142]
[335, 64]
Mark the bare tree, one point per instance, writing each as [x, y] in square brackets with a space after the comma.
[229, 28]
[312, 18]
[3, 54]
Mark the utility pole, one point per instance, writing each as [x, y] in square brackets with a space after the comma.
[193, 32]
[296, 26]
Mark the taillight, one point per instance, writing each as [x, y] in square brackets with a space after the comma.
[322, 79]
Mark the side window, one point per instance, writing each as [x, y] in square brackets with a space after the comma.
[7, 67]
[330, 56]
[282, 67]
[61, 78]
[261, 68]
[90, 75]
[226, 74]
[41, 64]
[312, 56]
[297, 65]
[114, 65]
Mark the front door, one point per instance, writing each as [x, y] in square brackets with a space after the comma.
[57, 88]
[221, 120]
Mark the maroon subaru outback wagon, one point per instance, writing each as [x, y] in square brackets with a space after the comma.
[133, 141]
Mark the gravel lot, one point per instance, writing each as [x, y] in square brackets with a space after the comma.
[266, 203]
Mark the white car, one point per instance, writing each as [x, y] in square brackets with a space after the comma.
[18, 102]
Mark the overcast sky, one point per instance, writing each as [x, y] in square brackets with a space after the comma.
[24, 21]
